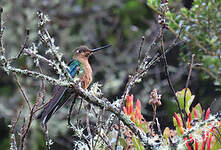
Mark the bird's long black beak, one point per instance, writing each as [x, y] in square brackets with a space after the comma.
[100, 48]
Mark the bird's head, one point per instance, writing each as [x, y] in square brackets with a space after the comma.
[85, 52]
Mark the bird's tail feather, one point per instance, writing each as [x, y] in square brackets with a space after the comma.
[58, 99]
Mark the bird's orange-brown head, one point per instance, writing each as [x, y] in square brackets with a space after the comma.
[85, 52]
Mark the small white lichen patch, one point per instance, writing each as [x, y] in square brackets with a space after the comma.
[95, 89]
[34, 48]
[80, 145]
[43, 18]
[48, 51]
[49, 142]
[78, 131]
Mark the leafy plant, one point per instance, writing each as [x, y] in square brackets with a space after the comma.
[201, 32]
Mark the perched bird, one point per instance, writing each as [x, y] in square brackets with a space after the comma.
[80, 67]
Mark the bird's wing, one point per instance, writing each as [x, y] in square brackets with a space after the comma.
[60, 96]
[74, 67]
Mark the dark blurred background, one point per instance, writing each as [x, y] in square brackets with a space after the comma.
[94, 23]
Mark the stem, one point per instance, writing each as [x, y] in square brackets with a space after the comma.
[187, 82]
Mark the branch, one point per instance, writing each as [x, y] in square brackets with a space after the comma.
[25, 43]
[22, 92]
[2, 50]
[13, 144]
[139, 53]
[49, 41]
[31, 115]
[187, 82]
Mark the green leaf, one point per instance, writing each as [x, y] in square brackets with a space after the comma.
[166, 134]
[199, 111]
[123, 143]
[169, 14]
[137, 144]
[143, 126]
[188, 100]
[188, 104]
[153, 3]
[184, 10]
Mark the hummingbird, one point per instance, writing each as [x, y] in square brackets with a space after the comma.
[78, 66]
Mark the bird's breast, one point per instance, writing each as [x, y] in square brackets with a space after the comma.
[86, 76]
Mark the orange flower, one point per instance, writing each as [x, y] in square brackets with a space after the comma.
[128, 110]
[138, 111]
[129, 105]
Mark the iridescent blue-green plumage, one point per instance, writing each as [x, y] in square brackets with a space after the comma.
[61, 94]
[73, 65]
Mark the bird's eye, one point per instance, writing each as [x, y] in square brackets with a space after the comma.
[79, 51]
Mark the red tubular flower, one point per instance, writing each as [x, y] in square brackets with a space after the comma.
[177, 119]
[130, 106]
[187, 145]
[204, 141]
[180, 124]
[189, 121]
[206, 134]
[210, 139]
[207, 113]
[138, 110]
[196, 144]
[195, 113]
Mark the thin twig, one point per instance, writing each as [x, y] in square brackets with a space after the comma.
[13, 143]
[22, 92]
[25, 43]
[23, 136]
[89, 132]
[168, 76]
[43, 92]
[170, 83]
[22, 131]
[16, 120]
[33, 110]
[2, 51]
[110, 123]
[79, 109]
[71, 108]
[158, 126]
[106, 141]
[154, 117]
[39, 57]
[187, 83]
[1, 11]
[139, 53]
[100, 121]
[42, 106]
